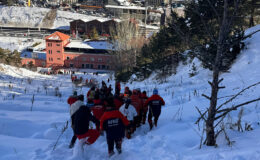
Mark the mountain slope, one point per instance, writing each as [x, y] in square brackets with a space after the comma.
[26, 134]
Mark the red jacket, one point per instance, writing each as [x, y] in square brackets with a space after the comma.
[154, 97]
[114, 123]
[72, 99]
[136, 102]
[144, 98]
[98, 109]
[118, 103]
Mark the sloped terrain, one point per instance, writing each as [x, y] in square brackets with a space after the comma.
[29, 131]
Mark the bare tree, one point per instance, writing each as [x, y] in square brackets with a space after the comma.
[128, 41]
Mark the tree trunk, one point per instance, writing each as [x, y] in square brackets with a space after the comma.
[223, 35]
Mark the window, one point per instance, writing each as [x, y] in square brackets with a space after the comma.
[125, 11]
[49, 51]
[103, 67]
[87, 65]
[49, 44]
[58, 58]
[92, 59]
[51, 59]
[58, 44]
[71, 65]
[100, 59]
[82, 65]
[91, 66]
[99, 66]
[68, 58]
[58, 51]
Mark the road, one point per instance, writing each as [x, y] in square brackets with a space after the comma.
[28, 32]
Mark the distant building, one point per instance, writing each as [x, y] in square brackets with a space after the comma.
[126, 12]
[37, 58]
[61, 52]
[85, 27]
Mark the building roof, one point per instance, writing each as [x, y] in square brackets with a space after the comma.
[101, 20]
[57, 36]
[125, 7]
[34, 55]
[104, 45]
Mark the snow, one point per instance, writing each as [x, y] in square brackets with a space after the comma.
[31, 135]
[90, 45]
[126, 7]
[33, 17]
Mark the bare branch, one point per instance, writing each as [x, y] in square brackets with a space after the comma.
[219, 81]
[210, 83]
[239, 93]
[227, 110]
[251, 34]
[201, 115]
[219, 121]
[214, 9]
[221, 87]
[206, 96]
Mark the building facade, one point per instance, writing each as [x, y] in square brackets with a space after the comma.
[63, 53]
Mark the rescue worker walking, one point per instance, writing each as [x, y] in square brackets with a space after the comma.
[154, 102]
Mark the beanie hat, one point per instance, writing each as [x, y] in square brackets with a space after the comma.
[155, 91]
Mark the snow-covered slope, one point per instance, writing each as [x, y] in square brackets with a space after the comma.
[33, 17]
[31, 135]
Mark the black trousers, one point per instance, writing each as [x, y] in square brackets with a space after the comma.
[112, 142]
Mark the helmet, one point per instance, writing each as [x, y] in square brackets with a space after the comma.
[155, 91]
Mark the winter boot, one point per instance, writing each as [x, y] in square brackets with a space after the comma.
[119, 146]
[111, 153]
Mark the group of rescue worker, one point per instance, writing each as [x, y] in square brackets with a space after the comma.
[117, 114]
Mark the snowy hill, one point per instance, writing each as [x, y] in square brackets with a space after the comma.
[34, 16]
[32, 135]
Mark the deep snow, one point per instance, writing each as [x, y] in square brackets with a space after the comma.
[31, 135]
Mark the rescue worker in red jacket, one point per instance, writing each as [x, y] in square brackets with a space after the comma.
[98, 108]
[137, 103]
[144, 108]
[114, 123]
[81, 116]
[127, 93]
[154, 102]
[72, 99]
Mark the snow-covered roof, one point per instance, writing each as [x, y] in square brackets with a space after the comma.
[35, 54]
[125, 7]
[90, 45]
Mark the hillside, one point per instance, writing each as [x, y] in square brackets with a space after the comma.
[32, 135]
[34, 17]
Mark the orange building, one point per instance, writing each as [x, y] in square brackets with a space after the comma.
[61, 52]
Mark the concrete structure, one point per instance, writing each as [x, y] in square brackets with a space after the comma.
[126, 12]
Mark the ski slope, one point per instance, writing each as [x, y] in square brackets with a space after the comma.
[30, 131]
